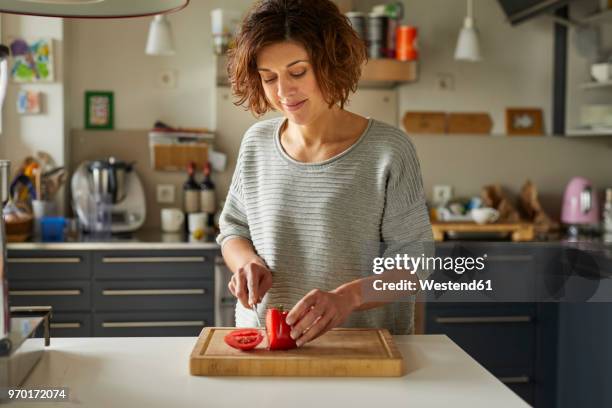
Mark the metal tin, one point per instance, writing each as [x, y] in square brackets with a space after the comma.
[377, 35]
[358, 22]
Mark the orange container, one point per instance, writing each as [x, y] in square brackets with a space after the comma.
[406, 43]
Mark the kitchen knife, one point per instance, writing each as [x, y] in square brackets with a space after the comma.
[254, 308]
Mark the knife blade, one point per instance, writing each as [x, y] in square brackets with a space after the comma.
[254, 309]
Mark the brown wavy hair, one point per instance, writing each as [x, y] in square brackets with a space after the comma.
[335, 50]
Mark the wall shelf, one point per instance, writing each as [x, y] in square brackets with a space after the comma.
[388, 72]
[600, 17]
[377, 73]
[595, 85]
[588, 132]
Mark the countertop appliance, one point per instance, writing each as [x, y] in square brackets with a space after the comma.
[113, 183]
[580, 203]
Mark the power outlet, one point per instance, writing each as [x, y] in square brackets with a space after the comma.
[167, 79]
[165, 193]
[442, 194]
[445, 82]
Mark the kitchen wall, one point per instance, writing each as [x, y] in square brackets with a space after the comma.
[109, 55]
[516, 71]
[23, 135]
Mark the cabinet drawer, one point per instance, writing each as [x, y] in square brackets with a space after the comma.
[71, 325]
[61, 295]
[153, 295]
[511, 269]
[154, 264]
[151, 324]
[519, 381]
[48, 265]
[497, 336]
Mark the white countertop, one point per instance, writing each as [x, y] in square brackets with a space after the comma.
[154, 372]
[144, 239]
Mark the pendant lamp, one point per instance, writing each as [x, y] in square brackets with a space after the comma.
[468, 46]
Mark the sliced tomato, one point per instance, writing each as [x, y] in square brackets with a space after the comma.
[243, 339]
[279, 332]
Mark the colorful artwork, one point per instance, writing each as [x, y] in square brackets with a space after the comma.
[32, 62]
[29, 102]
[98, 110]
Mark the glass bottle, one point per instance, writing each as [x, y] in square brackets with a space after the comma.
[208, 198]
[191, 192]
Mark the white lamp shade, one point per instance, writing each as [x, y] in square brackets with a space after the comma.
[161, 40]
[468, 46]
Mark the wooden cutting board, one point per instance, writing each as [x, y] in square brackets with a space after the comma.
[338, 353]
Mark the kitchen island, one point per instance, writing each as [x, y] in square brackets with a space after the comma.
[154, 372]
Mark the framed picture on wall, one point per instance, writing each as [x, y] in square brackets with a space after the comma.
[524, 122]
[99, 110]
[32, 60]
[29, 102]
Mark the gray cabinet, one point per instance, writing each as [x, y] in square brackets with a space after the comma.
[509, 339]
[131, 324]
[117, 292]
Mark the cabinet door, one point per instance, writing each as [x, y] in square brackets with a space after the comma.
[496, 335]
[501, 337]
[71, 325]
[61, 295]
[152, 295]
[137, 324]
[130, 265]
[48, 265]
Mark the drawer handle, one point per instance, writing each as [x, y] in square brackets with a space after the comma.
[123, 325]
[522, 379]
[67, 325]
[483, 319]
[152, 292]
[153, 259]
[70, 260]
[66, 292]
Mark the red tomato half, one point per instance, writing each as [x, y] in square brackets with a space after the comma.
[279, 332]
[243, 339]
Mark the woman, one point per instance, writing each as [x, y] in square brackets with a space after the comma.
[316, 189]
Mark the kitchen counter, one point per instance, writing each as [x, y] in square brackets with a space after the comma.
[154, 372]
[142, 239]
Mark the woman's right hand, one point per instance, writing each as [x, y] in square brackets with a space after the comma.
[250, 282]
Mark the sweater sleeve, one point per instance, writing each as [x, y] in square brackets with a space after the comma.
[406, 228]
[233, 222]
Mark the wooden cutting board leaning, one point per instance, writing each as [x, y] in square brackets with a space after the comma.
[338, 353]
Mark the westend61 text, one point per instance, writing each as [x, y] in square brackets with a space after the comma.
[407, 285]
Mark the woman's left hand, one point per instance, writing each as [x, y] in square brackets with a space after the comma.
[318, 312]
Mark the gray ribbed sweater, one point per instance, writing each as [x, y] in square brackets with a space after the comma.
[311, 222]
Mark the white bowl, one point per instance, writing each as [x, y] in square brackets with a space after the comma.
[484, 215]
[601, 72]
